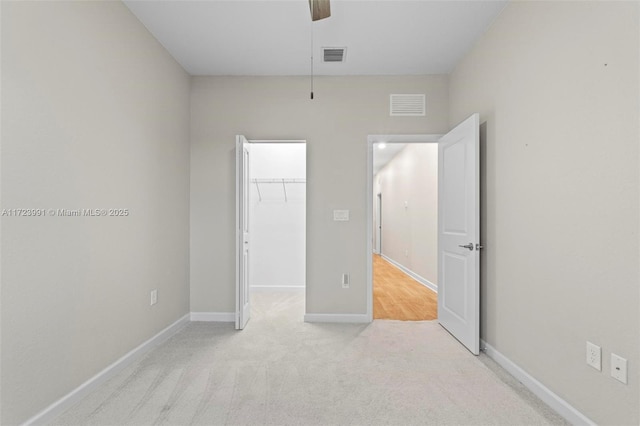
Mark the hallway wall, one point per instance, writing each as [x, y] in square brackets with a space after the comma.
[409, 188]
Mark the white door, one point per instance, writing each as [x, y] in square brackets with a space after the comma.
[459, 233]
[242, 232]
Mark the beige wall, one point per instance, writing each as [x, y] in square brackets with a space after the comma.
[95, 114]
[410, 231]
[335, 124]
[556, 84]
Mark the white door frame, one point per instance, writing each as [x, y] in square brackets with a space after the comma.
[243, 310]
[371, 140]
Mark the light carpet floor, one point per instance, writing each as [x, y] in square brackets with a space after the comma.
[282, 371]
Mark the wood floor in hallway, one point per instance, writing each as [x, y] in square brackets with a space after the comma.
[398, 296]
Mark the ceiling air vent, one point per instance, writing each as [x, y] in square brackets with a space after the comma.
[334, 54]
[407, 105]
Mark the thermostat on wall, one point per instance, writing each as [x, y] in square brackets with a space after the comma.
[341, 215]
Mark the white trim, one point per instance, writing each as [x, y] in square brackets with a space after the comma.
[404, 138]
[238, 247]
[261, 288]
[346, 318]
[67, 401]
[369, 194]
[277, 140]
[558, 404]
[372, 139]
[213, 316]
[425, 282]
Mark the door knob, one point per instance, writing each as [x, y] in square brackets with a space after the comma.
[468, 246]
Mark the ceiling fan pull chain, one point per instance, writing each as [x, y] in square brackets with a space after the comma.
[311, 52]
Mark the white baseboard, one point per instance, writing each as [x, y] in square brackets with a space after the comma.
[213, 316]
[425, 282]
[561, 406]
[64, 403]
[344, 318]
[277, 288]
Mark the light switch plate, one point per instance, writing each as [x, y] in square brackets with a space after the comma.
[341, 215]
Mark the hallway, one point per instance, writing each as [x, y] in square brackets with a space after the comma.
[397, 296]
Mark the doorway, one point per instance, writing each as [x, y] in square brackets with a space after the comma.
[405, 175]
[272, 215]
[458, 227]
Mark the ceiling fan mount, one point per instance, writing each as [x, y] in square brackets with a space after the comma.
[320, 9]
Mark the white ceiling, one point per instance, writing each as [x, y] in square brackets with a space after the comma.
[272, 37]
[382, 156]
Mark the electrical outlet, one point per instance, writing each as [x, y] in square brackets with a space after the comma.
[154, 297]
[594, 356]
[619, 368]
[345, 280]
[406, 253]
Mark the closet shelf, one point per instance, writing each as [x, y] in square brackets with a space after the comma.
[281, 181]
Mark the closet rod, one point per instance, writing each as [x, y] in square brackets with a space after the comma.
[279, 180]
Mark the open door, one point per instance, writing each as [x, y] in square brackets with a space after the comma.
[242, 232]
[459, 232]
